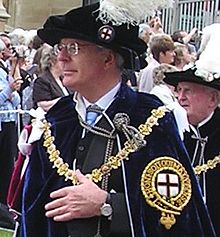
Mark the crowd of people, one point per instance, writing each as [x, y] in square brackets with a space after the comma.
[29, 76]
[118, 128]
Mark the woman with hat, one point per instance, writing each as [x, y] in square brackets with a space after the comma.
[108, 156]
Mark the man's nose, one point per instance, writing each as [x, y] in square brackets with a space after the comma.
[63, 55]
[180, 96]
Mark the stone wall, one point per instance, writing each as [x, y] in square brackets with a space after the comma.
[31, 14]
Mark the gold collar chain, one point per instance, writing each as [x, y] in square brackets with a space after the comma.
[113, 162]
[211, 164]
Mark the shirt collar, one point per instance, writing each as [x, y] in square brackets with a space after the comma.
[205, 120]
[194, 128]
[104, 102]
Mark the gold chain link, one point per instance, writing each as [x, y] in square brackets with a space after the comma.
[211, 164]
[114, 162]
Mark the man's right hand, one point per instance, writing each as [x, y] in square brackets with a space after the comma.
[74, 202]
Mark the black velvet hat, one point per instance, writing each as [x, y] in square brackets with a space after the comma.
[193, 75]
[83, 23]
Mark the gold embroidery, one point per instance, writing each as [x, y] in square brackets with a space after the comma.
[175, 193]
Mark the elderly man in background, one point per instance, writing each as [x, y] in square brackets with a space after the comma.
[198, 92]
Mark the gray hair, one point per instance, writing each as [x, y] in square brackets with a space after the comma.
[158, 72]
[119, 58]
[210, 89]
[144, 27]
[2, 45]
[47, 55]
[218, 98]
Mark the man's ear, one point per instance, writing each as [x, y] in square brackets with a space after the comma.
[109, 58]
[214, 99]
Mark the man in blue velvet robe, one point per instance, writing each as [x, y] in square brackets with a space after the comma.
[153, 193]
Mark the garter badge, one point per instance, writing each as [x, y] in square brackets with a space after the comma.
[166, 186]
[106, 33]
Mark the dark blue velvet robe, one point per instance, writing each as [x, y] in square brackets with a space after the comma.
[41, 179]
[211, 129]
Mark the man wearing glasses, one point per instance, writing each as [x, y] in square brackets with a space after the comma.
[105, 176]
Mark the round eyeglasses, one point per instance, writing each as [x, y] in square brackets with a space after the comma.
[71, 48]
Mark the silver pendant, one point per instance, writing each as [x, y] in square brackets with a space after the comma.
[98, 235]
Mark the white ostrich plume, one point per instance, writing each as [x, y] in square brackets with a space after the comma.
[209, 59]
[130, 11]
